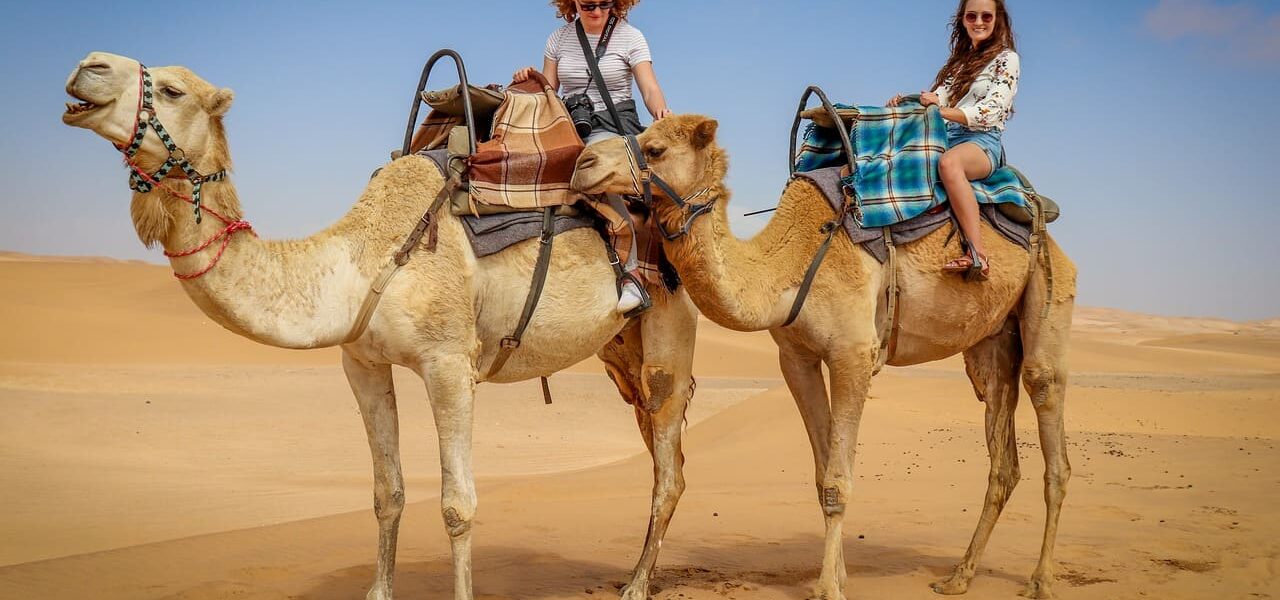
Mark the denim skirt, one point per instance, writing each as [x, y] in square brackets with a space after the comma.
[989, 141]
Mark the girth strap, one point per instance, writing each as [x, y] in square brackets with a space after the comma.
[511, 342]
[887, 328]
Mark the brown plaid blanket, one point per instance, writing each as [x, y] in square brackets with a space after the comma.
[530, 158]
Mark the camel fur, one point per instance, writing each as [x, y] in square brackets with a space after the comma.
[749, 285]
[442, 316]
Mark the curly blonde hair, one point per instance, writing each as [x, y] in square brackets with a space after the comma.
[568, 9]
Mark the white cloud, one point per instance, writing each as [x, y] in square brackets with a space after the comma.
[1240, 30]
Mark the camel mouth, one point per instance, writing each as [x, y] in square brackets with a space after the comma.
[81, 107]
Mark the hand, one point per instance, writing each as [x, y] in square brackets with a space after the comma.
[521, 75]
[894, 101]
[928, 99]
[662, 114]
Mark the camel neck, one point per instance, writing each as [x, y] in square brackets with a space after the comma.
[748, 285]
[291, 294]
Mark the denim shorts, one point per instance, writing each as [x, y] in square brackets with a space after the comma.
[989, 141]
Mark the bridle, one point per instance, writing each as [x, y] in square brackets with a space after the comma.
[644, 178]
[143, 182]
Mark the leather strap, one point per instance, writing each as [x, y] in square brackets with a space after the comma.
[595, 68]
[830, 228]
[427, 225]
[511, 342]
[888, 326]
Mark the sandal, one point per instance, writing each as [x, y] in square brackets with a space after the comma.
[973, 265]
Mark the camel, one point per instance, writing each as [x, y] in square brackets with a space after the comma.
[1006, 327]
[443, 316]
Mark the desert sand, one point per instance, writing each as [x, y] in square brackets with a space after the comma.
[145, 453]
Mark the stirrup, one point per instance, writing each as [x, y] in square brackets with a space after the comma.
[646, 302]
[974, 271]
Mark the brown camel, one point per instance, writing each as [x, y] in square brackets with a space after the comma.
[1006, 327]
[443, 316]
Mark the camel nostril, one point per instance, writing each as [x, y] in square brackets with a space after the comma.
[586, 161]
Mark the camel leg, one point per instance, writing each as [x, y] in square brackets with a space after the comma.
[803, 375]
[666, 388]
[992, 366]
[375, 394]
[850, 380]
[451, 388]
[1044, 374]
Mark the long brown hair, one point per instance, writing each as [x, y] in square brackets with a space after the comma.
[568, 9]
[966, 61]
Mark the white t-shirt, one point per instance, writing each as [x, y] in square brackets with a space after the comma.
[627, 48]
[989, 102]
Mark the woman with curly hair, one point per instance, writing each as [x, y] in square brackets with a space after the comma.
[974, 91]
[623, 58]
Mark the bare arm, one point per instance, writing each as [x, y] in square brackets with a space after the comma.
[550, 70]
[647, 80]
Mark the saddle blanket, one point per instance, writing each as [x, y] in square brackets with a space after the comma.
[871, 239]
[490, 234]
[896, 152]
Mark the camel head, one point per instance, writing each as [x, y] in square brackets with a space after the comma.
[680, 149]
[107, 89]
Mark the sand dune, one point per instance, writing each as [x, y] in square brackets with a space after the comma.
[147, 453]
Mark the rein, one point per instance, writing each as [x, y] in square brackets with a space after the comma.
[644, 178]
[142, 182]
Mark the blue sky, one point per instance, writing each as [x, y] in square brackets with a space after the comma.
[1151, 122]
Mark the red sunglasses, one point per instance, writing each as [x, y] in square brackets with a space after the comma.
[972, 17]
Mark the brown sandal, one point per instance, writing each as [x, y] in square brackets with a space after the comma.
[973, 265]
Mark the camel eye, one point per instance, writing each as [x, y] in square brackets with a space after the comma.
[172, 92]
[654, 151]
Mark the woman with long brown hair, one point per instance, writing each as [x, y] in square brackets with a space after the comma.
[974, 91]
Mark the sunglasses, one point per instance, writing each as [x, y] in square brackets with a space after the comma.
[592, 7]
[973, 17]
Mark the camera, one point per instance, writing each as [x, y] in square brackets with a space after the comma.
[580, 109]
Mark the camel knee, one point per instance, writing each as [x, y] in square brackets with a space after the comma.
[1040, 381]
[659, 385]
[457, 518]
[388, 503]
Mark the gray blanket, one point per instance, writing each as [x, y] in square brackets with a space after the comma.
[872, 240]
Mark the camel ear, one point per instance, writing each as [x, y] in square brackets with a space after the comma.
[222, 102]
[704, 133]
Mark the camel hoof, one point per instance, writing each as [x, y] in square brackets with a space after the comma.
[952, 586]
[1039, 589]
[828, 592]
[636, 591]
[378, 593]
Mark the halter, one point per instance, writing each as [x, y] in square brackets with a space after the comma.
[139, 180]
[643, 177]
[143, 182]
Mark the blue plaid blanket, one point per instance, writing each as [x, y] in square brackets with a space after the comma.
[896, 151]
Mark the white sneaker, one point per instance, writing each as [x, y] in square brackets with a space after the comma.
[630, 297]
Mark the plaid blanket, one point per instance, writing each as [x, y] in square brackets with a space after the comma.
[896, 152]
[530, 158]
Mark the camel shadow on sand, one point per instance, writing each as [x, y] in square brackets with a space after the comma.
[520, 573]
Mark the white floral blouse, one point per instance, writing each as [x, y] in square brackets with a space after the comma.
[989, 102]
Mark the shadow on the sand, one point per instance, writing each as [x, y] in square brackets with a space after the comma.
[791, 565]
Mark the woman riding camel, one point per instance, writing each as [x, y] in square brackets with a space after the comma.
[974, 90]
[623, 56]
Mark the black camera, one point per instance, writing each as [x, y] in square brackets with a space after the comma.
[580, 109]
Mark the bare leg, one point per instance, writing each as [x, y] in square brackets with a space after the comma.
[803, 375]
[957, 167]
[375, 394]
[850, 379]
[993, 365]
[1044, 374]
[666, 386]
[451, 388]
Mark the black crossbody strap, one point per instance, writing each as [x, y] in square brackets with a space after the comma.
[595, 66]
